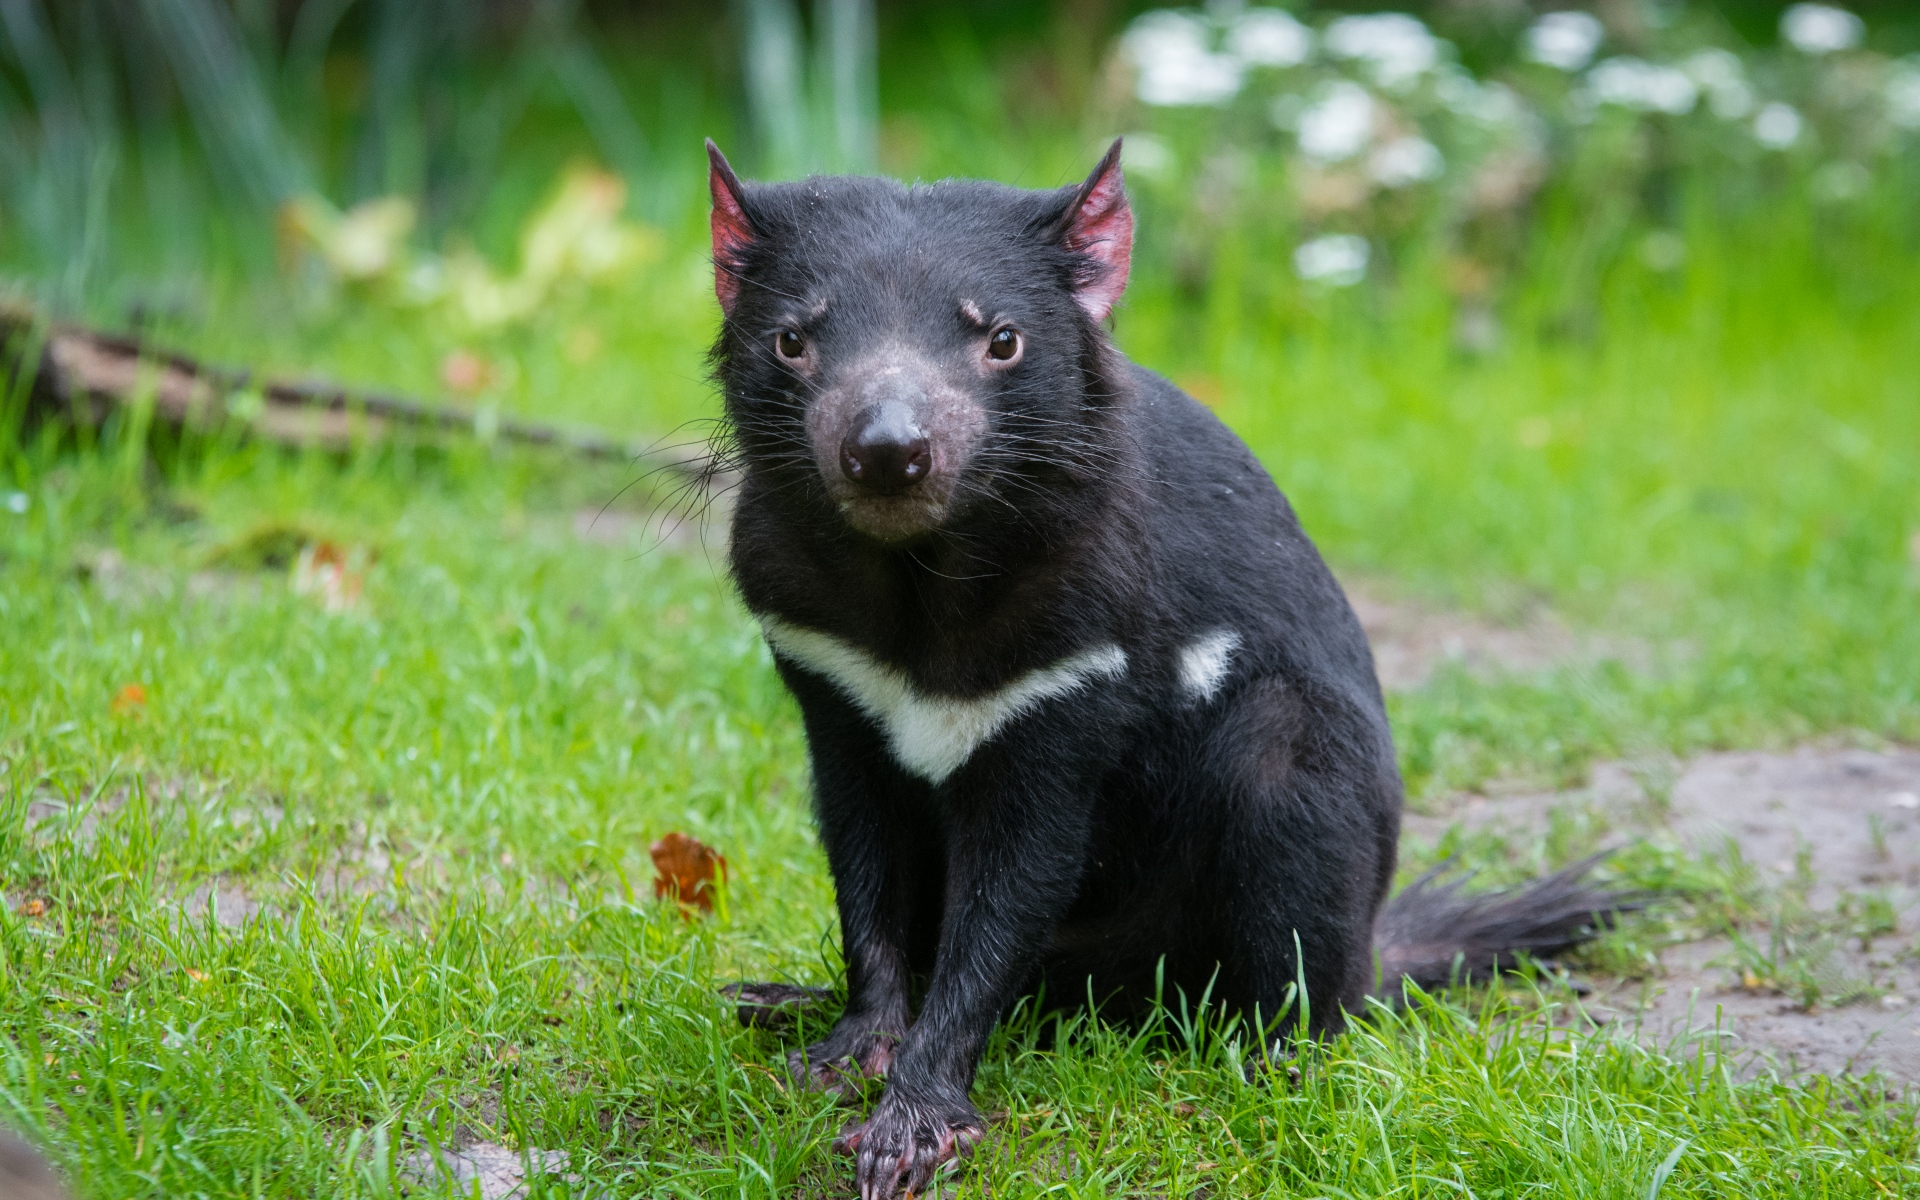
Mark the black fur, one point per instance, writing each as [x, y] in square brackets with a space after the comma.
[1124, 830]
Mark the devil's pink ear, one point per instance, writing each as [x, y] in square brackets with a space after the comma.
[1099, 227]
[732, 232]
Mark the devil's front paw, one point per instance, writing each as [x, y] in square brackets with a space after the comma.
[855, 1051]
[905, 1142]
[773, 1006]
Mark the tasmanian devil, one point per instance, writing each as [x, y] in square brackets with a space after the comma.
[1087, 714]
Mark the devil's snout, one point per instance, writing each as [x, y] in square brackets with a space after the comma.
[892, 436]
[885, 450]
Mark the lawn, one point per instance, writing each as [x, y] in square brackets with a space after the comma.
[299, 884]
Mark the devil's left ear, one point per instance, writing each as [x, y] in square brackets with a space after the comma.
[732, 232]
[1098, 226]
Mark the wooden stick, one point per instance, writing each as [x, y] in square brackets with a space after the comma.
[83, 373]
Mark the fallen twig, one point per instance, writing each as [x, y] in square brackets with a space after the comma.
[82, 375]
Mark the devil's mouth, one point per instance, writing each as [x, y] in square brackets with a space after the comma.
[893, 519]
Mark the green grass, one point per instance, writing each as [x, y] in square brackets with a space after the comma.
[442, 804]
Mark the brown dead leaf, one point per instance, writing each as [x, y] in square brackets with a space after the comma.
[130, 698]
[198, 976]
[465, 372]
[334, 574]
[32, 908]
[685, 870]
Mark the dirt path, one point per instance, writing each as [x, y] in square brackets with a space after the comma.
[1833, 839]
[1411, 640]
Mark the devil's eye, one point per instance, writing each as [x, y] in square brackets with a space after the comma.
[789, 343]
[1003, 345]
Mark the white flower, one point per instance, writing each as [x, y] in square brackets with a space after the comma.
[1638, 84]
[1565, 40]
[1339, 125]
[1821, 28]
[426, 281]
[1903, 94]
[1731, 101]
[1176, 66]
[1406, 160]
[1396, 46]
[1164, 33]
[1714, 68]
[1724, 77]
[1488, 103]
[1269, 37]
[1777, 126]
[1338, 259]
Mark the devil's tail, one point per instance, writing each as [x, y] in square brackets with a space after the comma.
[1435, 934]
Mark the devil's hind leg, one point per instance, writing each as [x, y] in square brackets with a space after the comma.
[1308, 818]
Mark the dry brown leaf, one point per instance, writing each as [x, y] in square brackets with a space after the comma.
[32, 908]
[335, 574]
[685, 870]
[130, 698]
[196, 975]
[465, 372]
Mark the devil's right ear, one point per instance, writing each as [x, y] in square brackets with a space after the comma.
[1098, 225]
[732, 232]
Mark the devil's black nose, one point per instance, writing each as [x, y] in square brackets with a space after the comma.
[886, 451]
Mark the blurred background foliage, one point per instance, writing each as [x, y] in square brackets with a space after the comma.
[146, 146]
[1609, 303]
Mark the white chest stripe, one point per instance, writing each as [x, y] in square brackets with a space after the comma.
[1205, 661]
[931, 736]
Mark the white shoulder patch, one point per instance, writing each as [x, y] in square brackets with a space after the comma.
[932, 736]
[1205, 661]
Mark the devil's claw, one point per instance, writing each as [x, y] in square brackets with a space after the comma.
[849, 1140]
[857, 1050]
[900, 1148]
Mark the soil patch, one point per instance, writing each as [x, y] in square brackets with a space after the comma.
[1412, 640]
[1832, 838]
